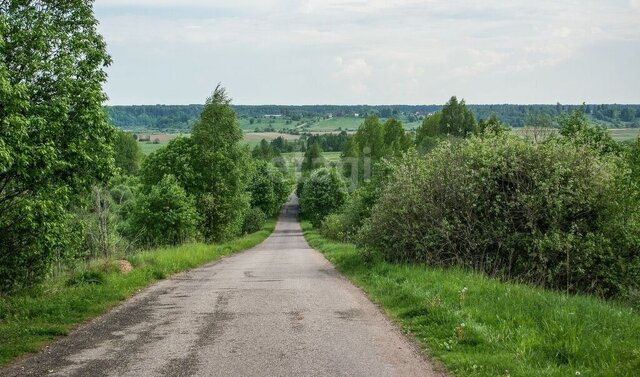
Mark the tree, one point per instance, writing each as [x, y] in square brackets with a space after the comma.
[165, 215]
[370, 138]
[268, 188]
[323, 193]
[212, 166]
[128, 155]
[265, 151]
[457, 120]
[575, 128]
[396, 139]
[221, 165]
[312, 158]
[55, 142]
[492, 126]
[430, 127]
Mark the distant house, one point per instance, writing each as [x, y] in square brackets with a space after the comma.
[273, 116]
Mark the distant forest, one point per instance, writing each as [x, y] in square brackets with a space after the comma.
[180, 118]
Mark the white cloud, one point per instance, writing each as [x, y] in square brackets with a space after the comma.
[407, 49]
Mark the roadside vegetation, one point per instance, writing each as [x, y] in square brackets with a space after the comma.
[479, 326]
[502, 254]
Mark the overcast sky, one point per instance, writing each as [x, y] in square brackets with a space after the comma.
[372, 52]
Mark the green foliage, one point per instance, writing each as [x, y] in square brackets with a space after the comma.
[212, 166]
[428, 132]
[554, 214]
[370, 139]
[269, 188]
[312, 158]
[254, 220]
[457, 120]
[55, 143]
[128, 154]
[510, 327]
[575, 128]
[633, 156]
[265, 151]
[221, 165]
[176, 159]
[323, 193]
[373, 142]
[163, 216]
[396, 140]
[492, 126]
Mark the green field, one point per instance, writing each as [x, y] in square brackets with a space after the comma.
[623, 134]
[331, 125]
[148, 148]
[483, 327]
[275, 124]
[250, 138]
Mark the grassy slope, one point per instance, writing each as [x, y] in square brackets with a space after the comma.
[509, 329]
[30, 320]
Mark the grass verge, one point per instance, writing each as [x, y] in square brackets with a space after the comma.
[31, 319]
[493, 328]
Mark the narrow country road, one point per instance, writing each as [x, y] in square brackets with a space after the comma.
[279, 309]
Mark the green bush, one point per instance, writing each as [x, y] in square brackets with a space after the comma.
[254, 220]
[269, 188]
[555, 214]
[55, 140]
[333, 227]
[323, 193]
[163, 216]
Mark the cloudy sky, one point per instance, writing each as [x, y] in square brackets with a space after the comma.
[373, 52]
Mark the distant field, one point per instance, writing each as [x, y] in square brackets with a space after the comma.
[623, 134]
[619, 134]
[330, 126]
[349, 124]
[295, 156]
[276, 124]
[250, 138]
[335, 124]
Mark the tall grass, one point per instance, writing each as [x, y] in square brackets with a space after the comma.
[32, 318]
[479, 326]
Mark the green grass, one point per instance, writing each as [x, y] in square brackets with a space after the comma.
[333, 124]
[509, 329]
[148, 148]
[31, 319]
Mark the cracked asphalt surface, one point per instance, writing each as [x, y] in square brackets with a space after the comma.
[279, 309]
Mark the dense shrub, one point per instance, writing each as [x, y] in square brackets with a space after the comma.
[163, 216]
[269, 188]
[254, 220]
[55, 142]
[556, 214]
[323, 193]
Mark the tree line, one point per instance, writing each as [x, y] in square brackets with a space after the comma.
[179, 119]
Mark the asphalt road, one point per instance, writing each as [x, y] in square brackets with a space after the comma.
[279, 309]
